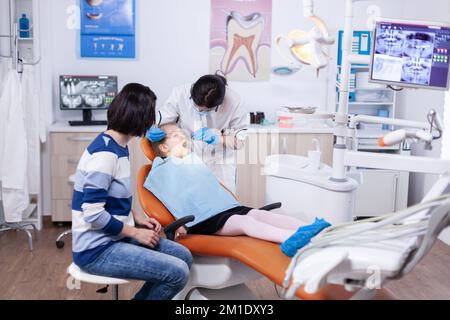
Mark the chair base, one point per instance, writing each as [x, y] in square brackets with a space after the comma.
[21, 227]
[238, 292]
[218, 278]
[59, 241]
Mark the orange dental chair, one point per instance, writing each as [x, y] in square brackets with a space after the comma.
[222, 265]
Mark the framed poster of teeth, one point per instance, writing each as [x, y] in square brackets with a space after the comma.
[108, 29]
[240, 42]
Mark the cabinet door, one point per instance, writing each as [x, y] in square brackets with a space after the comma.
[250, 160]
[251, 184]
[300, 144]
[71, 144]
[377, 195]
[61, 210]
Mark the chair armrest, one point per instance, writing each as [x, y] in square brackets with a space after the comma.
[272, 206]
[170, 229]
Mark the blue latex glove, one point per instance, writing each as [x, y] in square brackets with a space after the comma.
[303, 236]
[207, 135]
[155, 134]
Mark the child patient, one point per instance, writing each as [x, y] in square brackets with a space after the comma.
[186, 186]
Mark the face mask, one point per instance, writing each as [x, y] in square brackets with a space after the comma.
[201, 113]
[204, 113]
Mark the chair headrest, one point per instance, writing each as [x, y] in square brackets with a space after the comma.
[146, 147]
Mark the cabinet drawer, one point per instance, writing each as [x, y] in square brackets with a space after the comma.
[61, 210]
[373, 200]
[62, 188]
[64, 166]
[70, 144]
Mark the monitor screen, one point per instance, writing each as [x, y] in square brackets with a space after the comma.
[87, 92]
[411, 54]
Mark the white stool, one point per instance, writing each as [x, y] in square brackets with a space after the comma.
[82, 276]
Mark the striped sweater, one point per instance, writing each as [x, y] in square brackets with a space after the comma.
[101, 202]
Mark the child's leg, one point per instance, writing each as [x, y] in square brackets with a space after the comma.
[247, 225]
[277, 220]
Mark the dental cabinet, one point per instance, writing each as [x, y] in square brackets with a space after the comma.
[262, 142]
[67, 145]
[379, 191]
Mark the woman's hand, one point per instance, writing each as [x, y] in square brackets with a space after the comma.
[180, 233]
[149, 238]
[149, 223]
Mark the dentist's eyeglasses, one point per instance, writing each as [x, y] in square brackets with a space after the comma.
[205, 109]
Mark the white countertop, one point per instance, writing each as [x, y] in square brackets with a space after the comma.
[274, 129]
[65, 127]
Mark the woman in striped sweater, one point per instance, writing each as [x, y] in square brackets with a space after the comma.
[109, 239]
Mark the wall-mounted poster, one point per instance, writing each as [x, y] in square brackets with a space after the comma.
[108, 28]
[240, 44]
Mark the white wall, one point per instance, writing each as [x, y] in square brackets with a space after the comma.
[173, 42]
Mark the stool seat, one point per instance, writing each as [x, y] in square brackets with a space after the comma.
[82, 276]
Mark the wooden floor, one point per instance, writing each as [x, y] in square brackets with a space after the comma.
[41, 274]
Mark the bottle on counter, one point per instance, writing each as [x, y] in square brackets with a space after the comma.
[252, 118]
[260, 117]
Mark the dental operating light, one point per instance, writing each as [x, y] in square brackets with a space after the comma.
[307, 47]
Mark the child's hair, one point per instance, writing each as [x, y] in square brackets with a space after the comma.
[209, 91]
[132, 112]
[155, 145]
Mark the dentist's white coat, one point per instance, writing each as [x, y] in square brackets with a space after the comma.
[231, 117]
[13, 150]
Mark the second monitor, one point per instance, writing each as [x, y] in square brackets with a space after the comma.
[411, 54]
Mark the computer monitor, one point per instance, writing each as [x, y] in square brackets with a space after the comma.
[411, 54]
[87, 93]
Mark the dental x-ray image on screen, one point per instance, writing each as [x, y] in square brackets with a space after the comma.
[411, 54]
[87, 92]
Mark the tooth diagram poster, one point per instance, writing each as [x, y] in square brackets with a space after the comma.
[108, 28]
[240, 43]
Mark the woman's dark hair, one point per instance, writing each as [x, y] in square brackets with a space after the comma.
[209, 91]
[132, 112]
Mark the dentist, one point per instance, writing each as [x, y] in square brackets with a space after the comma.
[215, 118]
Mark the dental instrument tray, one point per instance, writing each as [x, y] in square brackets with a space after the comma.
[289, 117]
[303, 110]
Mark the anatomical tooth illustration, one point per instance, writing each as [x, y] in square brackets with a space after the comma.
[240, 39]
[243, 38]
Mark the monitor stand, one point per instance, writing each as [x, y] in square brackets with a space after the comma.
[87, 120]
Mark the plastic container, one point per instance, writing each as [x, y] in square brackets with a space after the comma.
[286, 119]
[385, 114]
[373, 95]
[24, 25]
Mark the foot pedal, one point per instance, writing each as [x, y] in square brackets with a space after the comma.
[103, 290]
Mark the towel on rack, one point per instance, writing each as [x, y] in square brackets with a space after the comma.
[13, 150]
[5, 65]
[5, 29]
[35, 125]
